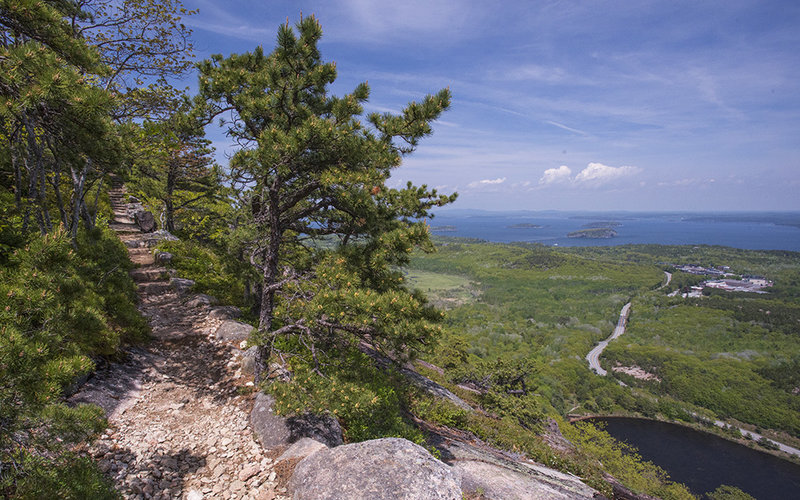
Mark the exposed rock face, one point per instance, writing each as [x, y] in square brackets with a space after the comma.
[273, 430]
[381, 469]
[231, 330]
[498, 483]
[145, 221]
[501, 475]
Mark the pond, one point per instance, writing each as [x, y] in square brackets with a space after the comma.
[703, 461]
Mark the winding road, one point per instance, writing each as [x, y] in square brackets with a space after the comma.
[594, 363]
[594, 355]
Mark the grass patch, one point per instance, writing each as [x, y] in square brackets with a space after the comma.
[444, 290]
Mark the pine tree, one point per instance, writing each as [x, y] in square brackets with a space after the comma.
[174, 167]
[329, 235]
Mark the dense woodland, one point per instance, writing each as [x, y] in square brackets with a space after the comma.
[302, 232]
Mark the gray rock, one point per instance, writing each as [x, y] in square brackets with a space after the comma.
[249, 361]
[156, 288]
[301, 449]
[499, 483]
[181, 285]
[163, 257]
[225, 312]
[505, 475]
[235, 331]
[279, 372]
[145, 221]
[201, 299]
[149, 274]
[381, 469]
[272, 430]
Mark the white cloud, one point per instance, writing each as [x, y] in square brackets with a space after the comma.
[555, 175]
[597, 173]
[486, 182]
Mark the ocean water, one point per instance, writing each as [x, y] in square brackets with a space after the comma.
[755, 231]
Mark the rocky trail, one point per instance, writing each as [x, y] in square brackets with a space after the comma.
[183, 418]
[178, 407]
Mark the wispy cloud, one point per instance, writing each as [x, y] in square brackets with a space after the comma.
[536, 72]
[564, 127]
[486, 182]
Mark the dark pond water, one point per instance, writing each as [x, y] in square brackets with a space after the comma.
[703, 461]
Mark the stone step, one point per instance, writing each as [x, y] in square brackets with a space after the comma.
[123, 227]
[151, 274]
[139, 242]
[155, 288]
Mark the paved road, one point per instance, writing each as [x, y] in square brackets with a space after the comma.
[594, 363]
[594, 355]
[756, 436]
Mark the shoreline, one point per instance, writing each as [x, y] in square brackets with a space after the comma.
[793, 457]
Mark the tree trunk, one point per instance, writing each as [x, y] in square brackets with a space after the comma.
[169, 205]
[266, 315]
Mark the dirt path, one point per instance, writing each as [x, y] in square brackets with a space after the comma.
[178, 408]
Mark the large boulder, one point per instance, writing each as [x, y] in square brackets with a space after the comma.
[272, 430]
[145, 220]
[381, 469]
[233, 331]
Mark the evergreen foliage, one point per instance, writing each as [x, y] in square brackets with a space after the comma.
[309, 169]
[176, 176]
[59, 309]
[69, 78]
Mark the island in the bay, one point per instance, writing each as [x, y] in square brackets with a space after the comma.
[602, 225]
[525, 225]
[442, 229]
[594, 233]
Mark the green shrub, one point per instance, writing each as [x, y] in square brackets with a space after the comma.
[368, 402]
[209, 272]
[438, 411]
[59, 308]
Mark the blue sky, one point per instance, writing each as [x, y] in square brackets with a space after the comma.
[673, 105]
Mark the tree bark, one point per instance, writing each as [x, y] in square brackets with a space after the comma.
[266, 315]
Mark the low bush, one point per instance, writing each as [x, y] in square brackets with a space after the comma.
[60, 308]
